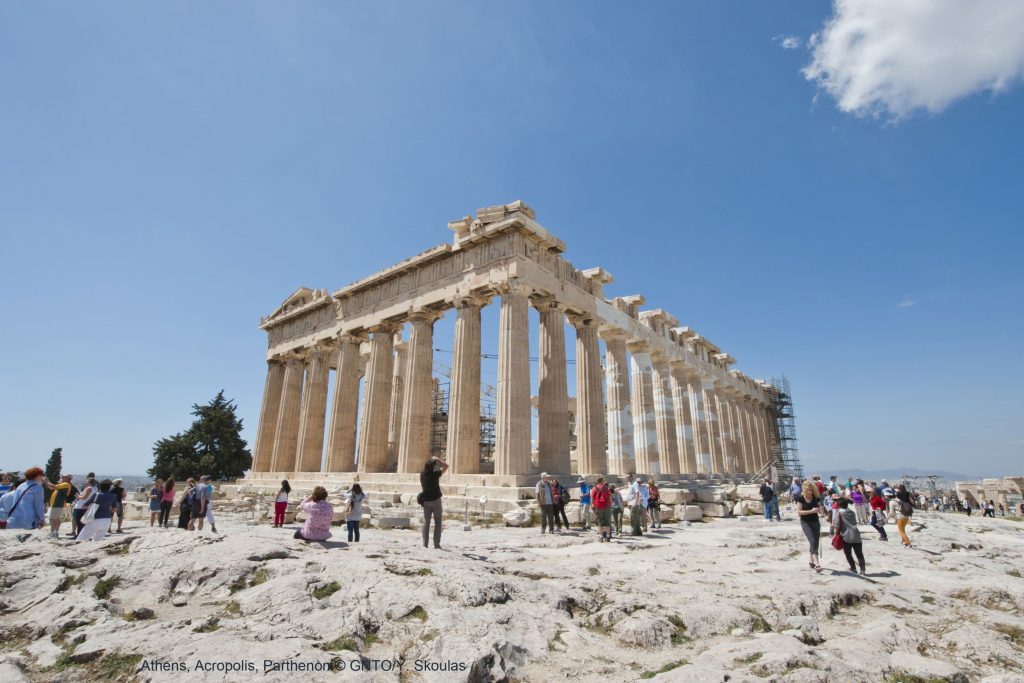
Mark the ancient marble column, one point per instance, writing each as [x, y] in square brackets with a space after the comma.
[771, 432]
[263, 455]
[684, 418]
[512, 424]
[286, 437]
[727, 457]
[762, 438]
[739, 432]
[664, 416]
[414, 445]
[591, 457]
[621, 459]
[645, 433]
[314, 412]
[341, 439]
[553, 393]
[464, 403]
[373, 432]
[709, 427]
[753, 457]
[397, 403]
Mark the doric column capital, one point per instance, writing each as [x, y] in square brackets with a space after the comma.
[351, 338]
[475, 300]
[578, 320]
[513, 287]
[680, 369]
[636, 346]
[611, 333]
[425, 315]
[544, 304]
[386, 327]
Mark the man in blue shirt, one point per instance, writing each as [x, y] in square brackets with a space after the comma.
[584, 515]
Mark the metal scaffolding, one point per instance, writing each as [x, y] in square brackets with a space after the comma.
[784, 451]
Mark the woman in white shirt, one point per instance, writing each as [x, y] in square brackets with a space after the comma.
[281, 503]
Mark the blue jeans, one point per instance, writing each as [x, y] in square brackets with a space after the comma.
[353, 530]
[771, 508]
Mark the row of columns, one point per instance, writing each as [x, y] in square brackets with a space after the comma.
[660, 416]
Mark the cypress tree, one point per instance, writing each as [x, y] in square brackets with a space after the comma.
[53, 465]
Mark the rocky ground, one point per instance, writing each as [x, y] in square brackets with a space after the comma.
[729, 599]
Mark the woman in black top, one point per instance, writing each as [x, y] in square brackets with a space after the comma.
[809, 509]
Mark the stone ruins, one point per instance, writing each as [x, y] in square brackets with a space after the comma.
[666, 402]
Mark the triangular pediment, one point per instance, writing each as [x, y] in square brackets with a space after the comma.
[298, 299]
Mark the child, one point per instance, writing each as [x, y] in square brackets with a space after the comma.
[354, 514]
[281, 503]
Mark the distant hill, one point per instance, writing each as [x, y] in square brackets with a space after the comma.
[892, 475]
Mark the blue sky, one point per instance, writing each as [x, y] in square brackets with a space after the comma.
[170, 172]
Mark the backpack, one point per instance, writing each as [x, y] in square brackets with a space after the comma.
[601, 497]
[906, 509]
[563, 495]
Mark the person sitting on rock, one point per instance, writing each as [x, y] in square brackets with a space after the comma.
[319, 515]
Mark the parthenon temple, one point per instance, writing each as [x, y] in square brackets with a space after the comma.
[660, 399]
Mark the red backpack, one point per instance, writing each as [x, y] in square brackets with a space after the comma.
[602, 498]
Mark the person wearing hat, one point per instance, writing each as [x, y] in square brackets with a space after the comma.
[118, 491]
[546, 501]
[584, 512]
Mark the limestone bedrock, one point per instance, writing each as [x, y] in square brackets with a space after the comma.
[715, 598]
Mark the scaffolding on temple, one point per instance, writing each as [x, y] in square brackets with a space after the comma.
[784, 451]
[439, 419]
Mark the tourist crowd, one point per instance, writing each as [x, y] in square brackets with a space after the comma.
[845, 505]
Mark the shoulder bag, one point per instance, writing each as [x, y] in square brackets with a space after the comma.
[837, 539]
[91, 510]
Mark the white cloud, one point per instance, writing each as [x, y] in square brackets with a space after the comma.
[906, 303]
[788, 42]
[895, 57]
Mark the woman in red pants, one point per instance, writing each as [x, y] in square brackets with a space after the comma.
[281, 503]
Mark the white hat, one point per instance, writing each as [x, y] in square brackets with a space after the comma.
[543, 475]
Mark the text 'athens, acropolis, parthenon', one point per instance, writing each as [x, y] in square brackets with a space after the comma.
[665, 402]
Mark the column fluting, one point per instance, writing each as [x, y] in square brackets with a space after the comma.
[373, 432]
[552, 388]
[341, 438]
[263, 454]
[512, 427]
[464, 403]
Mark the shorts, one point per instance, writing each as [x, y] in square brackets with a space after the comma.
[120, 511]
[56, 514]
[604, 516]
